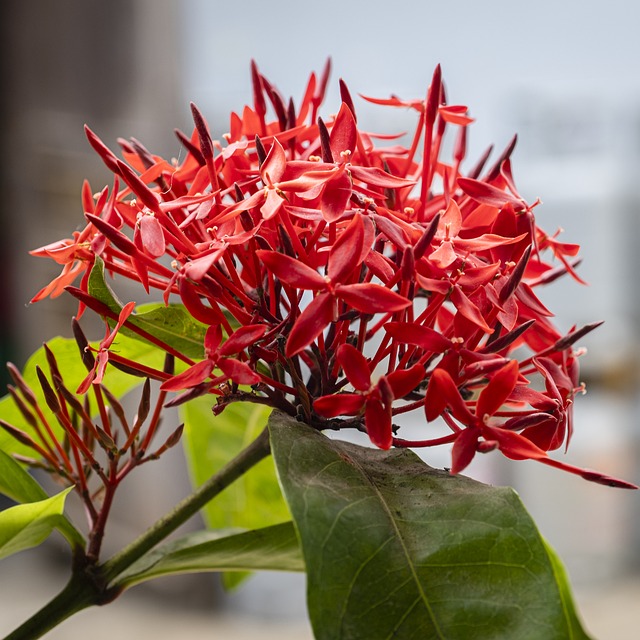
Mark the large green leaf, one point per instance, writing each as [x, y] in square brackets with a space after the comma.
[73, 371]
[172, 324]
[273, 548]
[396, 549]
[253, 501]
[27, 525]
[19, 485]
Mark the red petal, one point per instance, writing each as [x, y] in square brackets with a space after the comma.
[343, 133]
[152, 235]
[239, 372]
[488, 194]
[274, 164]
[212, 338]
[468, 309]
[376, 177]
[291, 271]
[404, 381]
[194, 375]
[498, 390]
[339, 404]
[442, 392]
[241, 339]
[455, 114]
[310, 324]
[371, 298]
[423, 337]
[355, 367]
[444, 256]
[335, 197]
[345, 254]
[377, 420]
[272, 204]
[464, 449]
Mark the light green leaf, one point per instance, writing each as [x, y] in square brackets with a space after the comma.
[396, 549]
[253, 501]
[273, 548]
[28, 525]
[19, 485]
[172, 324]
[73, 372]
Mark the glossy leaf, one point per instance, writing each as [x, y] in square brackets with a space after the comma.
[273, 548]
[19, 485]
[172, 324]
[394, 548]
[253, 501]
[28, 525]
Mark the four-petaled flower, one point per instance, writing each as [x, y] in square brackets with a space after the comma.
[374, 399]
[220, 356]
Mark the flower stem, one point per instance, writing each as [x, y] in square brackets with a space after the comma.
[94, 585]
[234, 469]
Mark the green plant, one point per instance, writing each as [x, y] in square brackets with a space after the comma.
[311, 281]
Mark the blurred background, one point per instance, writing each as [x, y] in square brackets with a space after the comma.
[564, 76]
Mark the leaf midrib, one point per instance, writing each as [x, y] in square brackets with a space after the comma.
[403, 546]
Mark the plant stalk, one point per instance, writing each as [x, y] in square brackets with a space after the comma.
[93, 585]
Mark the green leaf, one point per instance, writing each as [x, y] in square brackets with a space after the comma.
[172, 324]
[253, 501]
[16, 483]
[273, 548]
[19, 485]
[396, 549]
[28, 525]
[73, 372]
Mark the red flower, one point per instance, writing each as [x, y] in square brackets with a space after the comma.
[219, 356]
[309, 243]
[96, 374]
[344, 256]
[375, 399]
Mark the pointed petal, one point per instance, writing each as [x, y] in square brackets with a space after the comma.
[488, 194]
[423, 337]
[240, 339]
[371, 298]
[355, 367]
[310, 324]
[468, 309]
[442, 392]
[345, 254]
[376, 177]
[343, 133]
[377, 420]
[239, 372]
[464, 449]
[339, 404]
[291, 271]
[404, 381]
[274, 164]
[194, 375]
[498, 390]
[152, 235]
[335, 197]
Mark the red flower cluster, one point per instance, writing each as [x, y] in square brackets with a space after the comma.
[341, 277]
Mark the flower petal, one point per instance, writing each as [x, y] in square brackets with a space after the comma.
[355, 367]
[339, 404]
[371, 298]
[310, 324]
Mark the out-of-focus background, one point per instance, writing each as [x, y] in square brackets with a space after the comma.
[564, 76]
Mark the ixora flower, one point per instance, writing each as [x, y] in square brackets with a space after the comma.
[339, 277]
